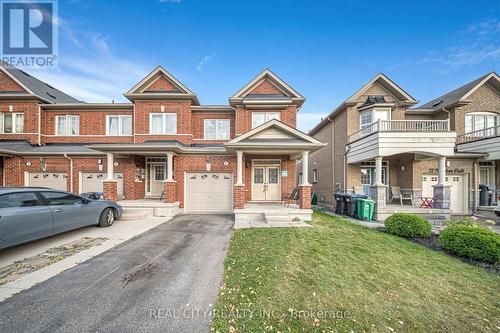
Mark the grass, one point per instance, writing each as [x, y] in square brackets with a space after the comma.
[340, 277]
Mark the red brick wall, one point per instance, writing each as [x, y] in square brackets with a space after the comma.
[7, 84]
[244, 117]
[30, 111]
[161, 84]
[198, 126]
[266, 88]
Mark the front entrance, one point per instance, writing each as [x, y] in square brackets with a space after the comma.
[266, 184]
[156, 173]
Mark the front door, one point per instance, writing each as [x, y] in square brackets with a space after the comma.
[157, 175]
[266, 183]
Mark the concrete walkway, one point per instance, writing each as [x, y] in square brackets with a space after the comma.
[165, 280]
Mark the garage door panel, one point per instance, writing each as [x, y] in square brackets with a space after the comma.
[209, 192]
[458, 191]
[92, 182]
[54, 180]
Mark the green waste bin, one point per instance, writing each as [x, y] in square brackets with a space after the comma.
[314, 199]
[366, 208]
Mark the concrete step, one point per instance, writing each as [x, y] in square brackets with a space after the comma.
[132, 217]
[277, 218]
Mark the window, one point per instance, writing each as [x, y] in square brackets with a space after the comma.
[11, 122]
[315, 175]
[163, 123]
[118, 125]
[365, 119]
[24, 199]
[369, 117]
[159, 172]
[67, 125]
[259, 118]
[61, 198]
[217, 129]
[479, 121]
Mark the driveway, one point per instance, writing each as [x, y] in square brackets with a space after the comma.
[164, 280]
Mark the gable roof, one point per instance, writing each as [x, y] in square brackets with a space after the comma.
[286, 91]
[462, 93]
[35, 87]
[388, 85]
[139, 90]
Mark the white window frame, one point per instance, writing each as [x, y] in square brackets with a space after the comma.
[372, 113]
[163, 122]
[67, 125]
[474, 116]
[315, 176]
[267, 116]
[217, 135]
[14, 121]
[120, 124]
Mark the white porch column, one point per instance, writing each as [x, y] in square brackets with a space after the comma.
[305, 168]
[170, 167]
[442, 170]
[239, 168]
[378, 171]
[111, 166]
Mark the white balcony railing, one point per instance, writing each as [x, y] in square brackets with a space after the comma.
[490, 132]
[402, 126]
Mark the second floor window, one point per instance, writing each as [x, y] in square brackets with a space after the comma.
[479, 121]
[259, 118]
[163, 123]
[118, 125]
[216, 129]
[366, 118]
[11, 122]
[67, 125]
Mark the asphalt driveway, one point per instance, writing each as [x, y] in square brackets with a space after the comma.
[164, 280]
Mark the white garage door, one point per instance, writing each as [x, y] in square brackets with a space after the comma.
[209, 192]
[458, 200]
[55, 180]
[92, 182]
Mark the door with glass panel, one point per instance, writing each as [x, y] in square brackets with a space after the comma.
[266, 183]
[157, 174]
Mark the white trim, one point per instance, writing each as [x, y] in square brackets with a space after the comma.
[265, 113]
[163, 114]
[67, 123]
[120, 125]
[384, 78]
[492, 75]
[14, 120]
[159, 70]
[16, 80]
[216, 129]
[270, 75]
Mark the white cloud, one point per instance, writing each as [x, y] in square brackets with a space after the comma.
[204, 61]
[91, 71]
[306, 121]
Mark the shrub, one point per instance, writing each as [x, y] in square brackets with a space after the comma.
[408, 225]
[471, 241]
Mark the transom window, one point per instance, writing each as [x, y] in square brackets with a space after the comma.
[259, 118]
[479, 121]
[163, 123]
[67, 125]
[216, 129]
[366, 118]
[119, 125]
[11, 122]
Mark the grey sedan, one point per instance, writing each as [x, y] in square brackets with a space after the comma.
[29, 213]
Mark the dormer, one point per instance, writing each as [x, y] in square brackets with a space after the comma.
[161, 85]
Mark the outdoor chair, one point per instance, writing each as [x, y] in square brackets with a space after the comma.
[396, 194]
[287, 198]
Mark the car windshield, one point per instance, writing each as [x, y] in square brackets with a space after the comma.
[61, 198]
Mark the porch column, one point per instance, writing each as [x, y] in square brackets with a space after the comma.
[441, 191]
[305, 188]
[378, 188]
[110, 185]
[239, 188]
[169, 184]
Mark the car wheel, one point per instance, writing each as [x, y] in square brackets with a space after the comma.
[107, 218]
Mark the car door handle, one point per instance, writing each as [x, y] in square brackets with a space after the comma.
[58, 210]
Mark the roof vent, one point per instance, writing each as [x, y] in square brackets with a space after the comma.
[48, 85]
[437, 103]
[51, 95]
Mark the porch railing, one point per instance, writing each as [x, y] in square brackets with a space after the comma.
[479, 134]
[402, 126]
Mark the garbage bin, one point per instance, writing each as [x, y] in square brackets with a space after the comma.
[486, 194]
[366, 208]
[349, 204]
[339, 203]
[352, 207]
[314, 199]
[93, 195]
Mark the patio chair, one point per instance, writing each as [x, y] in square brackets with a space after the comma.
[359, 190]
[396, 194]
[294, 196]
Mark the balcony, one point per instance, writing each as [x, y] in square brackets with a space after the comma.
[485, 141]
[392, 137]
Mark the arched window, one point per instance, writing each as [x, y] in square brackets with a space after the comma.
[480, 121]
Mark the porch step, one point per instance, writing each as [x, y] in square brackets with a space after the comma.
[130, 214]
[277, 218]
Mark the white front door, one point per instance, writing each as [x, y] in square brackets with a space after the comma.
[266, 184]
[157, 174]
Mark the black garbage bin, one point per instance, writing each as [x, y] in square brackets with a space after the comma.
[486, 194]
[339, 203]
[350, 204]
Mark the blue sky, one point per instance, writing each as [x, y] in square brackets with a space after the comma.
[324, 49]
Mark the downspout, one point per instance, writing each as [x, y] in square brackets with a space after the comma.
[347, 150]
[70, 172]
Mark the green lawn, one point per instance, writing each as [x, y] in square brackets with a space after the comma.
[345, 277]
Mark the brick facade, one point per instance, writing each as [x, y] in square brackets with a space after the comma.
[110, 190]
[170, 191]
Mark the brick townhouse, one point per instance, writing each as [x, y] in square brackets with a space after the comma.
[380, 144]
[163, 143]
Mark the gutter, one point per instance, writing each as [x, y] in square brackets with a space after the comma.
[70, 172]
